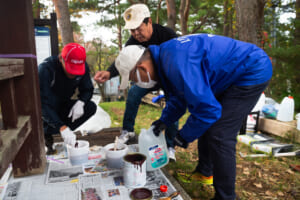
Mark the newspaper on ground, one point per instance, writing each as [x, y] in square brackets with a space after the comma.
[110, 185]
[62, 172]
[93, 180]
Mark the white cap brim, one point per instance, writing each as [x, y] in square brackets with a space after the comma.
[132, 25]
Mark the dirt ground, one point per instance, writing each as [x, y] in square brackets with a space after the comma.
[257, 178]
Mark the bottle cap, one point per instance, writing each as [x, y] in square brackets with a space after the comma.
[163, 188]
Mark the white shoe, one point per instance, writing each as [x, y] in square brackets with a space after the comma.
[125, 136]
[172, 152]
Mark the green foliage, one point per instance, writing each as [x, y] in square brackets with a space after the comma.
[205, 16]
[286, 74]
[146, 115]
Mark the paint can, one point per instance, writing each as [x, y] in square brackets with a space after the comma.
[114, 158]
[134, 172]
[78, 155]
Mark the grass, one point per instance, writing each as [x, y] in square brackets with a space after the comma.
[257, 178]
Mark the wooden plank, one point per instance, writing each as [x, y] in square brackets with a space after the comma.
[7, 72]
[101, 138]
[13, 140]
[8, 104]
[11, 61]
[281, 129]
[148, 99]
[10, 68]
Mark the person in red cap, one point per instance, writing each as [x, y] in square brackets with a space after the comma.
[59, 77]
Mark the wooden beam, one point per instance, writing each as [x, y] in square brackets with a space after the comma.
[281, 129]
[14, 139]
[17, 17]
[8, 104]
[10, 68]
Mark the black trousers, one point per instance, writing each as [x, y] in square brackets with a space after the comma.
[216, 147]
[63, 112]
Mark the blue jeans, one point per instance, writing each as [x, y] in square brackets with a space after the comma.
[135, 95]
[216, 147]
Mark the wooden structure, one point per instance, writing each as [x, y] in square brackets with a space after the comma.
[281, 129]
[21, 139]
[148, 99]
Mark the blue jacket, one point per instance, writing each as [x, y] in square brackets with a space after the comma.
[195, 69]
[56, 88]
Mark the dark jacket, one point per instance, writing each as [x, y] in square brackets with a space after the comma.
[160, 34]
[56, 88]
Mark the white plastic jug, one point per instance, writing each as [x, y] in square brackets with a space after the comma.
[286, 109]
[260, 103]
[155, 149]
[298, 121]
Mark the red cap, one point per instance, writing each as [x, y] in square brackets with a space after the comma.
[163, 188]
[74, 57]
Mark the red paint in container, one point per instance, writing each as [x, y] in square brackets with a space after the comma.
[134, 170]
[141, 194]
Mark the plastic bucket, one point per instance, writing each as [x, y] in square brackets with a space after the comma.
[286, 110]
[134, 172]
[298, 121]
[78, 155]
[114, 159]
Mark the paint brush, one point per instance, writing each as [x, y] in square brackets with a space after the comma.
[116, 143]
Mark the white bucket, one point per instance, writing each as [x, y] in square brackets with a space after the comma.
[134, 172]
[78, 155]
[114, 159]
[298, 121]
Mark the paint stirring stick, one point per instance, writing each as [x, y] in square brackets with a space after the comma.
[116, 142]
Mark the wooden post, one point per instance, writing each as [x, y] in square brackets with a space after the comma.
[18, 41]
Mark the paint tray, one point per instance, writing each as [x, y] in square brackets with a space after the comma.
[271, 147]
[253, 138]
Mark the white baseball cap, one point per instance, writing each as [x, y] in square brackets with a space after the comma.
[135, 15]
[126, 61]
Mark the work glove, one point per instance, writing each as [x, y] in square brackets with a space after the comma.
[179, 141]
[158, 126]
[77, 110]
[68, 136]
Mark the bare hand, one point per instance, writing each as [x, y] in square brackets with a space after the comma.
[102, 76]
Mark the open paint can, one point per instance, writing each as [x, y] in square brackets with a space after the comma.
[141, 194]
[78, 155]
[134, 172]
[114, 157]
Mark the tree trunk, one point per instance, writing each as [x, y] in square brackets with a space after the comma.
[184, 15]
[297, 23]
[226, 19]
[171, 10]
[157, 11]
[250, 19]
[63, 17]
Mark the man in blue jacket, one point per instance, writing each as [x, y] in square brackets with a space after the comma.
[59, 76]
[143, 32]
[218, 79]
